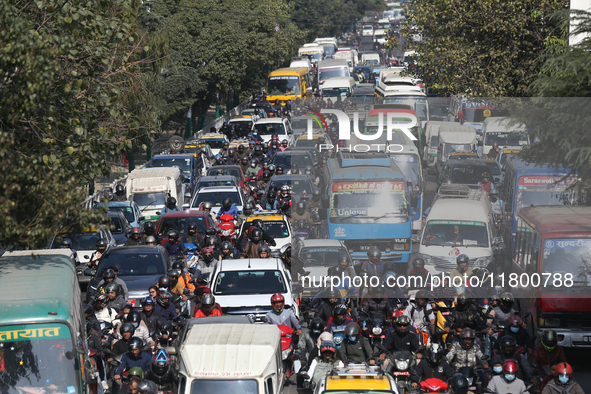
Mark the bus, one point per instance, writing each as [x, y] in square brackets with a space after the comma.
[43, 343]
[503, 132]
[550, 271]
[528, 184]
[368, 206]
[472, 113]
[289, 84]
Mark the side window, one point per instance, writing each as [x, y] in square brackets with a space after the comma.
[269, 386]
[182, 384]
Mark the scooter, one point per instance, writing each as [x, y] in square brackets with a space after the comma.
[287, 348]
[227, 228]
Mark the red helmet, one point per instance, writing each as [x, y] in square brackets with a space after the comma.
[515, 321]
[565, 370]
[510, 366]
[276, 298]
[328, 346]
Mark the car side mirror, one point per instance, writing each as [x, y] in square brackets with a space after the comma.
[142, 218]
[415, 238]
[88, 272]
[186, 206]
[158, 213]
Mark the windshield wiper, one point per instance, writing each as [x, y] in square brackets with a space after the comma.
[351, 216]
[386, 214]
[148, 206]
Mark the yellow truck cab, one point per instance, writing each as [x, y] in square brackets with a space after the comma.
[356, 379]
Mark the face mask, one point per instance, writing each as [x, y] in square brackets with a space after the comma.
[509, 377]
[515, 329]
[563, 379]
[352, 339]
[135, 325]
[498, 369]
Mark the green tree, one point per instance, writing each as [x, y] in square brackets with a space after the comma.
[74, 97]
[486, 48]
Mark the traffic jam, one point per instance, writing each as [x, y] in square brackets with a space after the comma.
[347, 232]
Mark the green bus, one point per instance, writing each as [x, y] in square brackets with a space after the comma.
[42, 325]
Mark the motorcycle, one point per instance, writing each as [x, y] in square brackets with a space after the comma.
[375, 328]
[433, 386]
[227, 228]
[287, 349]
[400, 369]
[338, 336]
[302, 232]
[474, 380]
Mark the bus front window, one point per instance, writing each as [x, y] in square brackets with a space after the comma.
[567, 256]
[280, 85]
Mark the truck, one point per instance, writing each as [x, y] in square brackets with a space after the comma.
[149, 188]
[454, 137]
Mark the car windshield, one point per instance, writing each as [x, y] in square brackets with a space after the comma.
[276, 228]
[153, 200]
[270, 128]
[321, 256]
[332, 72]
[544, 190]
[314, 55]
[493, 168]
[305, 143]
[116, 226]
[455, 233]
[220, 386]
[469, 175]
[335, 92]
[234, 171]
[86, 241]
[202, 184]
[409, 165]
[181, 224]
[216, 198]
[249, 282]
[297, 185]
[214, 143]
[505, 139]
[183, 164]
[35, 358]
[127, 212]
[449, 148]
[368, 202]
[302, 160]
[567, 256]
[282, 84]
[132, 264]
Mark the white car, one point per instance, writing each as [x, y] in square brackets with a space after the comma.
[267, 127]
[367, 31]
[216, 195]
[245, 286]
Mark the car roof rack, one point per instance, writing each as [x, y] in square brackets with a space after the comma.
[357, 370]
[460, 191]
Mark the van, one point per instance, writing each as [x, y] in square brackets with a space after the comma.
[337, 87]
[431, 142]
[379, 36]
[461, 221]
[315, 53]
[150, 187]
[329, 44]
[454, 137]
[504, 132]
[298, 62]
[371, 58]
[350, 55]
[224, 358]
[332, 68]
[391, 82]
[367, 31]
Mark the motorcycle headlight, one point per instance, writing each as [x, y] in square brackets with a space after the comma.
[470, 379]
[285, 354]
[376, 331]
[226, 233]
[337, 340]
[401, 365]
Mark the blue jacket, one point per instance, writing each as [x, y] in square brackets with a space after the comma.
[175, 249]
[232, 211]
[167, 313]
[373, 270]
[166, 209]
[273, 207]
[127, 362]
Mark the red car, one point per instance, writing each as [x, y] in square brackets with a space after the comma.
[180, 221]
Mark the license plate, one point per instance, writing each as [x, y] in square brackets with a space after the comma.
[400, 373]
[364, 248]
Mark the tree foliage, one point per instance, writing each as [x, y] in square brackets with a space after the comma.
[484, 48]
[74, 96]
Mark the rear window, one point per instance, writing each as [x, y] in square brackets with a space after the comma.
[131, 264]
[86, 241]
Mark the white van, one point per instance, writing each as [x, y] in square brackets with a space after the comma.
[371, 58]
[461, 220]
[332, 68]
[316, 53]
[504, 132]
[150, 187]
[350, 55]
[231, 358]
[379, 36]
[393, 82]
[301, 62]
[367, 31]
[431, 142]
[337, 87]
[454, 137]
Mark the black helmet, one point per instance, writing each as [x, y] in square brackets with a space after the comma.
[339, 310]
[226, 245]
[374, 253]
[240, 148]
[266, 175]
[499, 251]
[467, 338]
[462, 300]
[208, 302]
[149, 228]
[88, 309]
[227, 203]
[421, 295]
[173, 234]
[174, 276]
[418, 263]
[120, 190]
[171, 201]
[402, 324]
[300, 208]
[247, 208]
[147, 386]
[164, 282]
[435, 354]
[257, 149]
[253, 164]
[279, 168]
[134, 317]
[192, 227]
[109, 274]
[127, 327]
[164, 299]
[549, 340]
[264, 248]
[212, 241]
[134, 343]
[459, 384]
[507, 301]
[258, 223]
[100, 301]
[178, 266]
[101, 243]
[316, 326]
[507, 344]
[136, 231]
[256, 235]
[462, 259]
[316, 195]
[271, 195]
[113, 286]
[210, 231]
[352, 330]
[343, 258]
[67, 242]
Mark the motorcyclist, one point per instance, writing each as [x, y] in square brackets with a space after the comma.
[507, 382]
[307, 342]
[170, 206]
[463, 353]
[418, 309]
[67, 243]
[548, 351]
[492, 154]
[504, 310]
[134, 358]
[264, 252]
[247, 209]
[165, 307]
[499, 264]
[563, 382]
[120, 193]
[355, 347]
[459, 384]
[101, 247]
[150, 241]
[102, 310]
[463, 271]
[126, 330]
[301, 214]
[173, 246]
[206, 207]
[485, 182]
[418, 269]
[149, 316]
[228, 251]
[179, 287]
[339, 319]
[399, 339]
[321, 365]
[433, 365]
[208, 307]
[326, 306]
[374, 266]
[377, 306]
[149, 229]
[279, 315]
[163, 371]
[266, 237]
[271, 202]
[253, 170]
[244, 165]
[207, 264]
[516, 330]
[284, 146]
[193, 236]
[109, 275]
[255, 241]
[136, 237]
[116, 301]
[508, 350]
[228, 208]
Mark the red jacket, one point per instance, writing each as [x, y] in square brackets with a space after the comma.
[217, 311]
[541, 357]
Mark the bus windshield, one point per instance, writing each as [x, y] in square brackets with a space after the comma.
[455, 233]
[332, 72]
[368, 202]
[183, 164]
[449, 148]
[542, 190]
[567, 255]
[321, 256]
[409, 165]
[282, 84]
[38, 358]
[505, 139]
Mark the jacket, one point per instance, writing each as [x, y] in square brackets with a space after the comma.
[153, 321]
[324, 310]
[251, 250]
[319, 368]
[175, 249]
[167, 313]
[305, 346]
[425, 371]
[541, 357]
[464, 357]
[232, 211]
[499, 385]
[144, 362]
[395, 342]
[286, 317]
[100, 288]
[417, 314]
[359, 351]
[554, 388]
[199, 312]
[377, 308]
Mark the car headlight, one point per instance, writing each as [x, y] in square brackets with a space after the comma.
[428, 259]
[482, 262]
[376, 331]
[285, 354]
[401, 365]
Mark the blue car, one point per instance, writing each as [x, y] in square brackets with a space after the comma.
[130, 210]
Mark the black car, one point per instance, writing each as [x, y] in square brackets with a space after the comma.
[298, 183]
[139, 267]
[462, 171]
[302, 158]
[120, 227]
